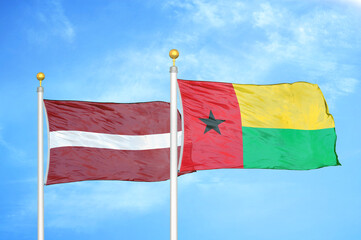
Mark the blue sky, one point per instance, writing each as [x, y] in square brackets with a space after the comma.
[118, 51]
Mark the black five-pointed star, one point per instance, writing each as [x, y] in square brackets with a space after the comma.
[212, 123]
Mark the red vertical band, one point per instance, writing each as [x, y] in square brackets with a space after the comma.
[218, 144]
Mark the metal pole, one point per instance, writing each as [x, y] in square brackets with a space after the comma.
[40, 90]
[173, 148]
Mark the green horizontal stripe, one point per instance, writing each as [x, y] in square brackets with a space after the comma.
[289, 148]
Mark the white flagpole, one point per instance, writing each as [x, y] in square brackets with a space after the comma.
[40, 76]
[173, 148]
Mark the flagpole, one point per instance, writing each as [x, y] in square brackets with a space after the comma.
[40, 76]
[173, 148]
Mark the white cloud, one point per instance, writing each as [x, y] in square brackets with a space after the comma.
[339, 87]
[213, 186]
[356, 3]
[267, 16]
[348, 85]
[123, 75]
[306, 41]
[210, 13]
[14, 152]
[313, 43]
[85, 204]
[82, 206]
[52, 22]
[135, 75]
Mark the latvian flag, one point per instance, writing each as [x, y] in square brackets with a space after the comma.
[108, 141]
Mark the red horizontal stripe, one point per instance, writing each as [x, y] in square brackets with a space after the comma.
[72, 164]
[113, 118]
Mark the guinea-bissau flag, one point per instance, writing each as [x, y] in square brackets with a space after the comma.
[108, 141]
[280, 126]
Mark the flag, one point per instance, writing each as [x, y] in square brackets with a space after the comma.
[281, 126]
[108, 141]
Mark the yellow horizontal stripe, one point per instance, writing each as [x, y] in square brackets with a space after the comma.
[299, 105]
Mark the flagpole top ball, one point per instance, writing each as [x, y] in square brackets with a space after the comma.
[40, 76]
[173, 54]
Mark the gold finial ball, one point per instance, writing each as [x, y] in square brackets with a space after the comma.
[173, 53]
[40, 76]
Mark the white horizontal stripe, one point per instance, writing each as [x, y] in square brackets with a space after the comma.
[110, 141]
